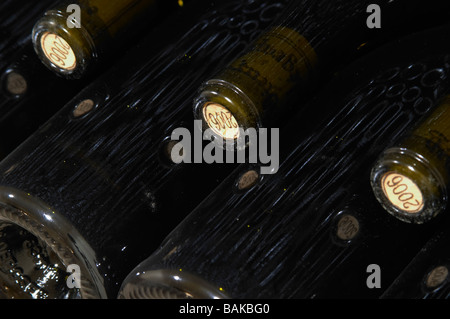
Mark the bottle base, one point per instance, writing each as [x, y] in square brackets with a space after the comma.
[37, 247]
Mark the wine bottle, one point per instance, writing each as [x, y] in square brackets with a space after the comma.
[313, 229]
[93, 191]
[310, 37]
[427, 275]
[72, 45]
[410, 179]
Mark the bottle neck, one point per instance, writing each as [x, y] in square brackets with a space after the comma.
[69, 52]
[408, 184]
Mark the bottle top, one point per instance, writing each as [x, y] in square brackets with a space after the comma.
[68, 52]
[408, 186]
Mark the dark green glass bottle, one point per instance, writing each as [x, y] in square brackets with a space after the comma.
[310, 41]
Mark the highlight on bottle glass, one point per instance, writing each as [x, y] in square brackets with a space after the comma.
[167, 284]
[410, 180]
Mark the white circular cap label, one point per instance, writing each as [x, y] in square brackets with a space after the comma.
[221, 121]
[58, 51]
[402, 192]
